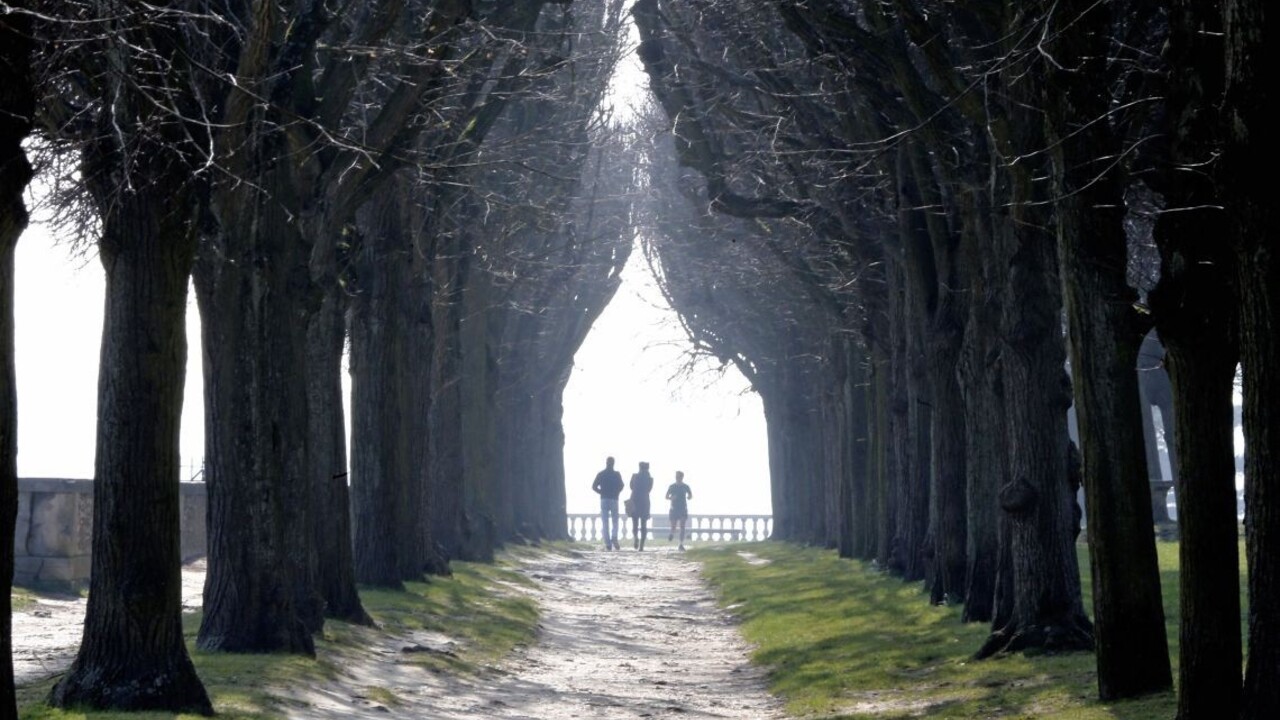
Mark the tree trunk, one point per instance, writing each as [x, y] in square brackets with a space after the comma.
[476, 404]
[1128, 614]
[859, 470]
[335, 569]
[775, 434]
[837, 427]
[132, 656]
[416, 312]
[1047, 608]
[932, 282]
[18, 100]
[448, 471]
[1105, 333]
[985, 468]
[915, 453]
[252, 283]
[883, 507]
[549, 408]
[1250, 40]
[947, 491]
[1201, 362]
[384, 494]
[1047, 611]
[1196, 317]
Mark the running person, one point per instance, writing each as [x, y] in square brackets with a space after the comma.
[679, 494]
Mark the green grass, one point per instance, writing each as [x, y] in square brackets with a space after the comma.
[841, 640]
[21, 599]
[476, 608]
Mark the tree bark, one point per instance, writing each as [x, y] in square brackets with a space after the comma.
[912, 442]
[17, 97]
[1250, 40]
[775, 436]
[335, 569]
[859, 470]
[1047, 608]
[449, 517]
[477, 406]
[883, 459]
[385, 494]
[985, 467]
[254, 289]
[132, 656]
[933, 283]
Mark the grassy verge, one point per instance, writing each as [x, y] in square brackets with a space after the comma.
[21, 598]
[844, 641]
[476, 609]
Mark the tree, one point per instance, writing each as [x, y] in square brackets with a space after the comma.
[18, 100]
[1195, 312]
[1105, 331]
[1251, 219]
[127, 121]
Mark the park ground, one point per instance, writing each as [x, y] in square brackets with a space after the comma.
[751, 631]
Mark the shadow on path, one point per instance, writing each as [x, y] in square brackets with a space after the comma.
[623, 635]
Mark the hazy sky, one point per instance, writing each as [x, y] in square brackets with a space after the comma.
[58, 333]
[620, 400]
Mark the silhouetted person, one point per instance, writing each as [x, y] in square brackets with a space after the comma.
[679, 494]
[609, 485]
[641, 486]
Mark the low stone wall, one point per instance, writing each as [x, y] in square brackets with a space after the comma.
[54, 534]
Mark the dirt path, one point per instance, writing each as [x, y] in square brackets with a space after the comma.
[46, 634]
[623, 635]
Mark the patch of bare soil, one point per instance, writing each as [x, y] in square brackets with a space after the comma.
[46, 634]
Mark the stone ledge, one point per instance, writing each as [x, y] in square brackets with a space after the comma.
[53, 535]
[55, 485]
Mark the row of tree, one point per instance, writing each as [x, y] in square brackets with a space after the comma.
[437, 182]
[897, 218]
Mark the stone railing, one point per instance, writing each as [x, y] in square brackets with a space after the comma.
[54, 534]
[714, 528]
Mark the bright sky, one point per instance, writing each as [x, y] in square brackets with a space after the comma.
[619, 400]
[622, 401]
[58, 332]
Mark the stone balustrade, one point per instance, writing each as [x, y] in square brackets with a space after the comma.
[53, 537]
[585, 527]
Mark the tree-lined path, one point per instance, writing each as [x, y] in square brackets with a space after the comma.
[622, 635]
[902, 222]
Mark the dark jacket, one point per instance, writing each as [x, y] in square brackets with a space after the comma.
[641, 486]
[608, 483]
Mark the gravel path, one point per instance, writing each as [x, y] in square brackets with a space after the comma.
[623, 635]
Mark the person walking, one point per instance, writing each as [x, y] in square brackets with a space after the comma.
[608, 485]
[679, 494]
[641, 485]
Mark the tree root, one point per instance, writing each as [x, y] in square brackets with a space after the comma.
[1059, 636]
